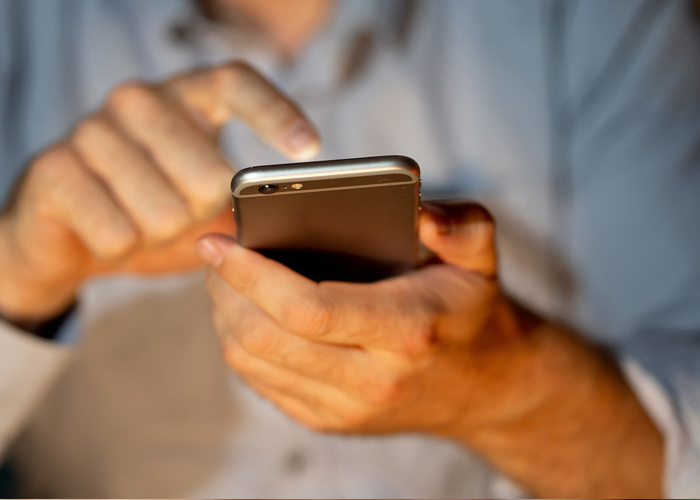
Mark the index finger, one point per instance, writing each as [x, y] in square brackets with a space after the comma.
[383, 315]
[214, 96]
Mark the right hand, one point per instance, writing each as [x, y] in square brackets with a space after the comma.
[135, 184]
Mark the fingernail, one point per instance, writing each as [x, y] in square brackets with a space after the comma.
[209, 253]
[441, 222]
[302, 141]
[439, 217]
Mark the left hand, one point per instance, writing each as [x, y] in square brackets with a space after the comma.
[426, 351]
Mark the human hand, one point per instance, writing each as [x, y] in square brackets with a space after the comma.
[439, 350]
[134, 185]
[425, 351]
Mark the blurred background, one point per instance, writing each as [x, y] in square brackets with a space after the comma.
[576, 123]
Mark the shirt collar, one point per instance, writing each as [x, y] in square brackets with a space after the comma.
[333, 51]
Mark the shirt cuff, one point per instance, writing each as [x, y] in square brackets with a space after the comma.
[682, 458]
[28, 366]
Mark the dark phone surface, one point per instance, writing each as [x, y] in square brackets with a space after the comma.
[353, 220]
[335, 266]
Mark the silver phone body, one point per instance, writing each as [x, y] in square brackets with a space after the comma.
[344, 220]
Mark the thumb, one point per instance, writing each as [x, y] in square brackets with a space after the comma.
[461, 234]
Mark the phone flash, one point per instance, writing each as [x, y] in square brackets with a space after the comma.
[297, 185]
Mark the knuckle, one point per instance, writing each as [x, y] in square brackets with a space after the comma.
[57, 177]
[384, 391]
[277, 107]
[223, 297]
[115, 243]
[233, 75]
[169, 224]
[236, 358]
[52, 176]
[209, 199]
[256, 339]
[419, 342]
[89, 130]
[130, 97]
[54, 162]
[310, 315]
[245, 280]
[109, 240]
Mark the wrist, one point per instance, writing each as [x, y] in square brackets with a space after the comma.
[24, 297]
[47, 329]
[521, 374]
[511, 378]
[562, 419]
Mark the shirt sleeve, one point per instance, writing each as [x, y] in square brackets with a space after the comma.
[628, 124]
[682, 457]
[28, 366]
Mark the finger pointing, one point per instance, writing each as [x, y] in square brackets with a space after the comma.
[216, 95]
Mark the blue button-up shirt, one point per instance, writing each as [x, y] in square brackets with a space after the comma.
[577, 123]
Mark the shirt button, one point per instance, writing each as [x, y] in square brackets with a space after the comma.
[295, 462]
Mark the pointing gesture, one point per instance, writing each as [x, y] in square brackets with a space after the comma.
[135, 184]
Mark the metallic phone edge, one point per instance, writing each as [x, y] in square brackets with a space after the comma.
[332, 169]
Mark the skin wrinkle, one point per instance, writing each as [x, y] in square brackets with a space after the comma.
[529, 396]
[497, 379]
[50, 281]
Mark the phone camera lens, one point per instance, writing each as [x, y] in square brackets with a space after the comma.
[268, 189]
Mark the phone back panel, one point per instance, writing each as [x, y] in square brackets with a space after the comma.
[352, 220]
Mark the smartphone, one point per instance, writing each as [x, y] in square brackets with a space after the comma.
[342, 220]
